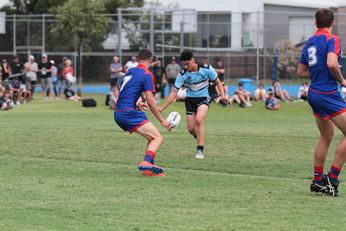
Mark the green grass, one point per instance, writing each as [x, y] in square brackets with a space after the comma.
[64, 167]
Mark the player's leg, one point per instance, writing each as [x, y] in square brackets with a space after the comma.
[326, 129]
[331, 178]
[200, 118]
[191, 124]
[155, 139]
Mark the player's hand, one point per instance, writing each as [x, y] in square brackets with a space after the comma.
[160, 109]
[343, 82]
[142, 106]
[166, 125]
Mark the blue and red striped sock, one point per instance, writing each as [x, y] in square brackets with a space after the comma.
[334, 173]
[149, 156]
[318, 172]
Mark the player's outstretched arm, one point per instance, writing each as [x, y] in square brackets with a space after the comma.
[334, 68]
[155, 110]
[303, 71]
[169, 100]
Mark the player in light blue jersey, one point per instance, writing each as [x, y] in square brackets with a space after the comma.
[195, 77]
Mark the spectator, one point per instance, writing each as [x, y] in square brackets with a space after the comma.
[54, 79]
[243, 95]
[271, 103]
[46, 69]
[5, 102]
[61, 82]
[5, 69]
[279, 92]
[115, 69]
[70, 94]
[16, 91]
[131, 63]
[260, 93]
[16, 68]
[230, 100]
[172, 71]
[303, 91]
[30, 69]
[159, 79]
[220, 70]
[68, 72]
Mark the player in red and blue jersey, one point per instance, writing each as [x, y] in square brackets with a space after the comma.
[320, 61]
[130, 117]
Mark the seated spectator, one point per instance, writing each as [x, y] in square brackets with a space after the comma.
[71, 95]
[260, 93]
[279, 92]
[230, 100]
[303, 91]
[271, 103]
[243, 95]
[16, 91]
[5, 102]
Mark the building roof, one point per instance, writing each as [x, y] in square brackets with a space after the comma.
[307, 3]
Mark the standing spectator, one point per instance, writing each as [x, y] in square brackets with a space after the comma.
[220, 70]
[243, 95]
[5, 69]
[46, 69]
[16, 68]
[172, 71]
[131, 63]
[271, 103]
[61, 81]
[279, 92]
[31, 69]
[68, 71]
[115, 68]
[260, 93]
[54, 79]
[303, 91]
[159, 79]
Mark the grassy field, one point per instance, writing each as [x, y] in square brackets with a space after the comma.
[64, 167]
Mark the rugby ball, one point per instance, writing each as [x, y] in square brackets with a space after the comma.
[174, 119]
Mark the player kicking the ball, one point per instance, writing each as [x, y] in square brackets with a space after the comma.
[320, 61]
[195, 78]
[129, 118]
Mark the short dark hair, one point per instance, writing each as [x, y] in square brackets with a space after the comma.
[324, 18]
[186, 56]
[240, 84]
[145, 54]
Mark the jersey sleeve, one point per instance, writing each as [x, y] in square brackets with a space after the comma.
[212, 73]
[179, 81]
[334, 45]
[148, 82]
[303, 58]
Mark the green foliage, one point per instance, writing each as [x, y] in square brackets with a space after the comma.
[64, 167]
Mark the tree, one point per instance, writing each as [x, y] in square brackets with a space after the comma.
[287, 59]
[82, 20]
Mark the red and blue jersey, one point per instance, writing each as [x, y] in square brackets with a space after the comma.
[135, 81]
[314, 55]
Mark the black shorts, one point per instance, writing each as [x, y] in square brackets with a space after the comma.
[171, 81]
[191, 104]
[114, 82]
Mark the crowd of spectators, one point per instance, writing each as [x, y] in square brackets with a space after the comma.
[18, 80]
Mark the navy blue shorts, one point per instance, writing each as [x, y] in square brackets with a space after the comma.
[130, 120]
[326, 105]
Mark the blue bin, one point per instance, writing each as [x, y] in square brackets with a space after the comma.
[247, 84]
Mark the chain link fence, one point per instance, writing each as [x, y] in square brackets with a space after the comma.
[256, 45]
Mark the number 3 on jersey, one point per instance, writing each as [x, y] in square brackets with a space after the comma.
[312, 56]
[125, 81]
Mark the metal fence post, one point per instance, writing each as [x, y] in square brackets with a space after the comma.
[14, 34]
[181, 36]
[119, 34]
[151, 30]
[43, 33]
[257, 50]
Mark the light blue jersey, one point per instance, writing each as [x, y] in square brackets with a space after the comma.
[196, 83]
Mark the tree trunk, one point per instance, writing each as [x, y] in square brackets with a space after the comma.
[80, 69]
